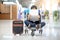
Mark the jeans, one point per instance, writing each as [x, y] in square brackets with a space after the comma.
[33, 24]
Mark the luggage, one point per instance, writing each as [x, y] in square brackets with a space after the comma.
[18, 27]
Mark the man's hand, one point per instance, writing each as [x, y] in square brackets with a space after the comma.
[38, 16]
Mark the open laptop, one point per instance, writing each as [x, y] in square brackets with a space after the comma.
[33, 14]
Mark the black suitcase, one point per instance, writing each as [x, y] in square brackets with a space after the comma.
[18, 27]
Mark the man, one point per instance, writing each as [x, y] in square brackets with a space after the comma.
[30, 23]
[19, 10]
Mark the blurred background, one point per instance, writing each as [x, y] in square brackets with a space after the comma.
[11, 10]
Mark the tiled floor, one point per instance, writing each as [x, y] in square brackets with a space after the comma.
[50, 32]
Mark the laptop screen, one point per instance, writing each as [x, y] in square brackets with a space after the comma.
[33, 12]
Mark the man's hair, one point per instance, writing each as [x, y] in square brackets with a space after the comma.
[34, 7]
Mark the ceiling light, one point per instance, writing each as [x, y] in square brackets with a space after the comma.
[9, 3]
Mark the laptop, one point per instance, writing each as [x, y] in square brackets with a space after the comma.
[33, 14]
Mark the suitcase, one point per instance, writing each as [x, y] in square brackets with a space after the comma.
[17, 27]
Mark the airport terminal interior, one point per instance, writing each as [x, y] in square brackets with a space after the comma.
[13, 14]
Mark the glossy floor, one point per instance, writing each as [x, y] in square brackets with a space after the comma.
[51, 31]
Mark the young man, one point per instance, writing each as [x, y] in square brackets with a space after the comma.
[30, 23]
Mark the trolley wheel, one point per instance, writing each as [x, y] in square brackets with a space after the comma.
[32, 33]
[14, 33]
[40, 31]
[26, 31]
